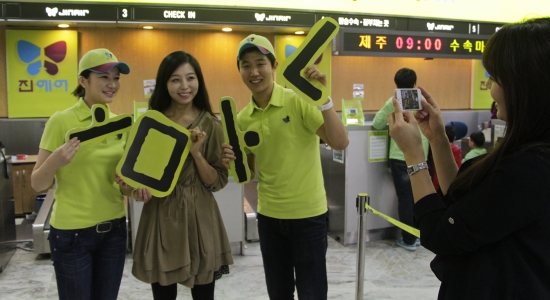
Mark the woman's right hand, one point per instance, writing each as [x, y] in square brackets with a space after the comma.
[429, 119]
[66, 152]
[227, 155]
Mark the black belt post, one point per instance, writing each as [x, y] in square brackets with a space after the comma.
[361, 200]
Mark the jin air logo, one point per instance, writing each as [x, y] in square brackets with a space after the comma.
[29, 53]
[52, 12]
[259, 17]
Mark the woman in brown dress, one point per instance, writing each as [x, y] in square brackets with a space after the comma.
[181, 237]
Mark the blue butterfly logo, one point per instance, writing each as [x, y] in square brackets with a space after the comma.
[28, 52]
[287, 119]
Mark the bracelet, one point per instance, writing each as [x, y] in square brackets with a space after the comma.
[413, 169]
[326, 106]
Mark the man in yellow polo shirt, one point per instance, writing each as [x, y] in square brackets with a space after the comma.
[292, 205]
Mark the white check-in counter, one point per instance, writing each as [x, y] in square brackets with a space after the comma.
[361, 168]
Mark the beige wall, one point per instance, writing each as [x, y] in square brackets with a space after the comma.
[449, 80]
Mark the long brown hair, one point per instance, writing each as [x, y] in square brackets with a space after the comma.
[160, 99]
[518, 59]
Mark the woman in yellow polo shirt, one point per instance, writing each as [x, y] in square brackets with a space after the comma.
[181, 238]
[88, 222]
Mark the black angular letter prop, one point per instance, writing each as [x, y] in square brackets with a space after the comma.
[292, 69]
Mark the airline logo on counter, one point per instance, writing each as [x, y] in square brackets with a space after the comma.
[41, 65]
[54, 12]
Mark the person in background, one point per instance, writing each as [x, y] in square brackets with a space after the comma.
[490, 231]
[477, 140]
[181, 238]
[457, 154]
[494, 108]
[405, 78]
[88, 232]
[292, 203]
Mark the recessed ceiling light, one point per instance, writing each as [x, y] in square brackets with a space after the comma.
[147, 27]
[227, 29]
[299, 32]
[63, 25]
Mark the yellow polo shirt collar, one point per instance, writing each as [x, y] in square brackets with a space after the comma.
[276, 99]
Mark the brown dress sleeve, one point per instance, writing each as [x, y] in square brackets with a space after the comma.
[213, 154]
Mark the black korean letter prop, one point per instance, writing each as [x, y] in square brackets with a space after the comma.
[237, 139]
[156, 150]
[101, 127]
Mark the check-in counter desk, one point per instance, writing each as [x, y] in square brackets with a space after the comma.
[363, 168]
[41, 225]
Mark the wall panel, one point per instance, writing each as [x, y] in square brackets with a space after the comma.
[448, 80]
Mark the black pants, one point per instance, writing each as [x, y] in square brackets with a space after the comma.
[170, 292]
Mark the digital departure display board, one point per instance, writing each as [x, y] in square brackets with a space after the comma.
[366, 21]
[455, 27]
[360, 34]
[413, 45]
[257, 17]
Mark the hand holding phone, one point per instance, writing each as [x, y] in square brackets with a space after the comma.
[409, 99]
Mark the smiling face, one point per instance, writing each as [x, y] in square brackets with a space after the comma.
[183, 85]
[257, 73]
[101, 88]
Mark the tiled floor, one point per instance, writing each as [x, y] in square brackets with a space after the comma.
[390, 273]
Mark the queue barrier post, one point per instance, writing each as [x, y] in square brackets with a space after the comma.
[361, 231]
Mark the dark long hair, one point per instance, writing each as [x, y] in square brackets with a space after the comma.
[518, 59]
[79, 91]
[160, 99]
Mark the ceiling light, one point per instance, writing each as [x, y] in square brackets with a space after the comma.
[299, 32]
[63, 25]
[227, 29]
[147, 27]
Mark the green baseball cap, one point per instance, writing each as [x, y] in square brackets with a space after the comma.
[258, 41]
[100, 61]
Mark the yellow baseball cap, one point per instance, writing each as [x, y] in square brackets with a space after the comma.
[100, 61]
[258, 41]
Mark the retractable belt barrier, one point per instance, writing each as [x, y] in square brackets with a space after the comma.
[363, 201]
[403, 226]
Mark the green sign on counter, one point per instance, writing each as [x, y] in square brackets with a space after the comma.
[352, 112]
[378, 146]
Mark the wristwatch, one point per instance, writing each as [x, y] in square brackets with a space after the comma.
[326, 106]
[413, 169]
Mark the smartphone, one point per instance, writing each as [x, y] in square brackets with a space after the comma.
[409, 99]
